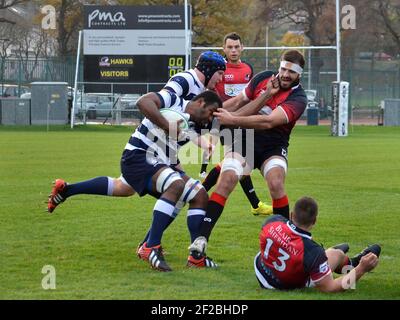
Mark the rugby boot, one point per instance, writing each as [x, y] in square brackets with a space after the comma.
[203, 175]
[198, 260]
[263, 209]
[141, 250]
[154, 256]
[199, 245]
[374, 248]
[57, 195]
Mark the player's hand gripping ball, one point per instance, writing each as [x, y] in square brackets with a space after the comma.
[175, 117]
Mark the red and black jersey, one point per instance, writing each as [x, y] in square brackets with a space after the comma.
[292, 101]
[236, 77]
[289, 258]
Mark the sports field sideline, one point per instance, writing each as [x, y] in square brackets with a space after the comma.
[91, 241]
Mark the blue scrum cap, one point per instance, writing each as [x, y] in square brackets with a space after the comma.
[210, 62]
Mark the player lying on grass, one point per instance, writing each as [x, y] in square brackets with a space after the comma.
[290, 259]
[149, 165]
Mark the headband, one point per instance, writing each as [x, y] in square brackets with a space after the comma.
[291, 66]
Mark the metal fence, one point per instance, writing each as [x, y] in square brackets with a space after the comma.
[371, 80]
[24, 71]
[108, 102]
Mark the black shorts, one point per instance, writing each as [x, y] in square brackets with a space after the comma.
[262, 154]
[266, 147]
[257, 151]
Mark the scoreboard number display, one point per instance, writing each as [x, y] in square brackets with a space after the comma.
[175, 65]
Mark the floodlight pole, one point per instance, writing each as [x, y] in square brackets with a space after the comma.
[266, 45]
[76, 80]
[186, 36]
[338, 66]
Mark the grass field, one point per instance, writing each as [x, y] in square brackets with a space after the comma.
[91, 240]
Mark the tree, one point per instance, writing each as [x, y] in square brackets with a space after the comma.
[69, 22]
[212, 19]
[315, 17]
[29, 46]
[389, 12]
[372, 34]
[293, 39]
[6, 39]
[6, 4]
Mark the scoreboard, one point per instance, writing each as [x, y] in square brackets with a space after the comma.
[139, 44]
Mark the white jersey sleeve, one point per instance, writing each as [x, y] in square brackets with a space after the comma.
[185, 85]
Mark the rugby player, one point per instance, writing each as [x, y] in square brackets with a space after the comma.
[270, 104]
[206, 74]
[149, 165]
[237, 74]
[290, 259]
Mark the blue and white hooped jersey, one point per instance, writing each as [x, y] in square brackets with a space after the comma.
[150, 138]
[185, 85]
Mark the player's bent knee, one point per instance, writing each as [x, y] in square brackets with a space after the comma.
[337, 253]
[200, 200]
[335, 257]
[193, 190]
[176, 187]
[121, 188]
[274, 163]
[233, 165]
[276, 185]
[166, 178]
[227, 181]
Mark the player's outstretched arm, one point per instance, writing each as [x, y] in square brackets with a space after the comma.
[235, 103]
[256, 105]
[253, 106]
[276, 118]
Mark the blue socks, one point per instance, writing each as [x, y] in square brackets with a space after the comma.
[100, 185]
[194, 219]
[163, 215]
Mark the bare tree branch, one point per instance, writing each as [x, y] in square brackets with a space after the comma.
[384, 8]
[4, 20]
[4, 4]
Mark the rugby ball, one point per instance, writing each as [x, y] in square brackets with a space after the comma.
[175, 116]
